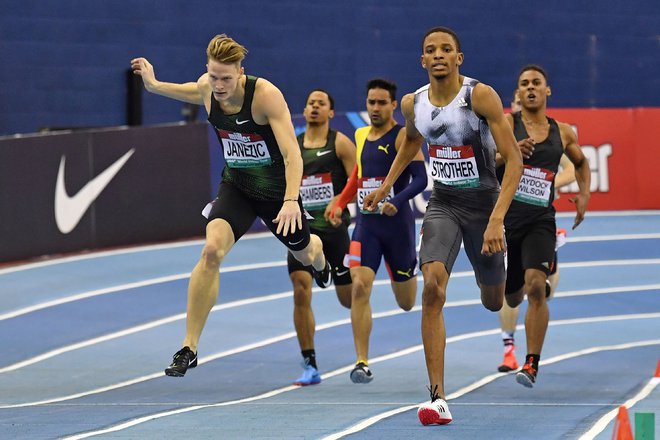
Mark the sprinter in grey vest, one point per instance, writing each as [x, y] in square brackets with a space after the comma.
[463, 123]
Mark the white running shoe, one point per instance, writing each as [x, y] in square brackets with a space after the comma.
[561, 238]
[434, 413]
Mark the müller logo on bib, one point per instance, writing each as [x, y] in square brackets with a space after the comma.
[534, 186]
[453, 165]
[244, 150]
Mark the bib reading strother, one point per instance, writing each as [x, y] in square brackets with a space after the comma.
[461, 148]
[254, 163]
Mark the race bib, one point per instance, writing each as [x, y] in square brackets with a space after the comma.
[367, 185]
[453, 166]
[244, 150]
[316, 191]
[534, 186]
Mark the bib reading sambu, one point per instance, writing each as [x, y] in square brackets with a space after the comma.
[367, 185]
[535, 185]
[316, 190]
[453, 166]
[244, 150]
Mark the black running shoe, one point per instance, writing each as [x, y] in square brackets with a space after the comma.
[183, 359]
[526, 376]
[323, 278]
[361, 373]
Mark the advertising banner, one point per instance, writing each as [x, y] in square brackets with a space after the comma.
[67, 192]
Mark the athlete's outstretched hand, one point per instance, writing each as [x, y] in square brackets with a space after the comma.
[493, 238]
[289, 218]
[144, 68]
[526, 147]
[580, 201]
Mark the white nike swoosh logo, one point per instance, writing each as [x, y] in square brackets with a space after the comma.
[342, 273]
[299, 241]
[241, 122]
[321, 153]
[69, 210]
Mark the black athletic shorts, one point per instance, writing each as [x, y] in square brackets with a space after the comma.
[240, 211]
[529, 247]
[335, 248]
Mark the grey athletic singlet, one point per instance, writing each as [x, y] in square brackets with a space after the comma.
[465, 187]
[461, 147]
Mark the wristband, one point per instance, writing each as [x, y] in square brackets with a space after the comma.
[291, 200]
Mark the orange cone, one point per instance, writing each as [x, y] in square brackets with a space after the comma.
[657, 370]
[622, 429]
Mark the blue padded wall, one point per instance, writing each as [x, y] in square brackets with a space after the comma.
[63, 63]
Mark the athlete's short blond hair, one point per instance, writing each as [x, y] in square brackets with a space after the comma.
[224, 49]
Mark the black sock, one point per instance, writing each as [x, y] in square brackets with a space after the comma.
[534, 360]
[310, 357]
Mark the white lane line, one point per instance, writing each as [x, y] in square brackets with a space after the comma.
[128, 286]
[284, 295]
[598, 263]
[90, 256]
[198, 242]
[637, 213]
[360, 426]
[282, 337]
[269, 264]
[615, 237]
[123, 251]
[604, 421]
[479, 383]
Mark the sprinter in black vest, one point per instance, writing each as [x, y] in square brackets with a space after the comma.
[261, 177]
[509, 315]
[328, 158]
[530, 222]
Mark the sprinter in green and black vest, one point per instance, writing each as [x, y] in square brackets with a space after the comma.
[328, 156]
[261, 177]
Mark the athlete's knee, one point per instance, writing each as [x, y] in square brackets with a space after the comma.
[492, 296]
[514, 299]
[406, 303]
[302, 293]
[434, 294]
[307, 255]
[212, 255]
[360, 291]
[492, 303]
[535, 289]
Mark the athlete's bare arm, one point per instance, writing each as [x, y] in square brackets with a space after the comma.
[487, 103]
[409, 149]
[567, 174]
[582, 172]
[269, 102]
[187, 92]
